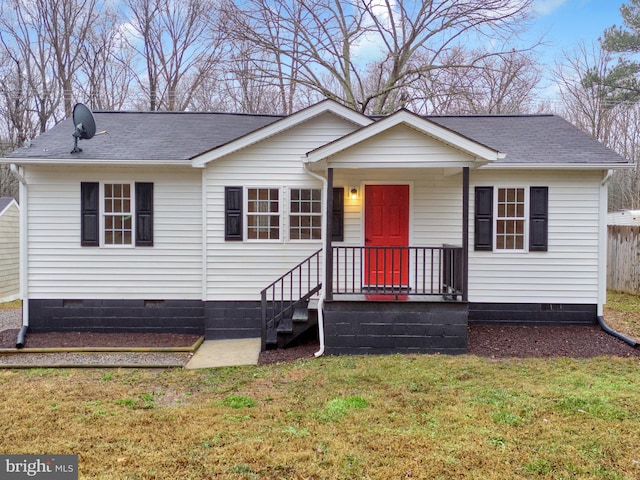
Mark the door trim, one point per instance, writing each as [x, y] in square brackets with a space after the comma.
[366, 272]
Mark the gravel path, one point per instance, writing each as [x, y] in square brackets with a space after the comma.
[10, 318]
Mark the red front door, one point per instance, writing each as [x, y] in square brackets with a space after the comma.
[386, 224]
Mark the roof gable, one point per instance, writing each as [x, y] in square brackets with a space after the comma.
[326, 106]
[5, 204]
[471, 148]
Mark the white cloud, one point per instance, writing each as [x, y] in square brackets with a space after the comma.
[546, 7]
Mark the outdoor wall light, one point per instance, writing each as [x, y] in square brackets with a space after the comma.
[354, 194]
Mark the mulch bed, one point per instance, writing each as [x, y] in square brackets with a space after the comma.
[493, 341]
[500, 341]
[89, 339]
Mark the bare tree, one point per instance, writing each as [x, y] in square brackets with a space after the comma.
[587, 104]
[32, 63]
[325, 43]
[494, 84]
[179, 47]
[106, 76]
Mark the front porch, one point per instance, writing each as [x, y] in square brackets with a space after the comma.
[378, 300]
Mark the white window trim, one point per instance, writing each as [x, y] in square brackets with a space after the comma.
[281, 213]
[289, 214]
[132, 207]
[527, 207]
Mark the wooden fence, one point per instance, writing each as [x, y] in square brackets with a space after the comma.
[623, 258]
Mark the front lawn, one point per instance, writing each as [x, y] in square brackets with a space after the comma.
[430, 416]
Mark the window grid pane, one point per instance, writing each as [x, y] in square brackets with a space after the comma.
[118, 221]
[510, 221]
[263, 216]
[305, 219]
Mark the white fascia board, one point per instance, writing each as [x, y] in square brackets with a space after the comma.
[405, 117]
[403, 165]
[94, 162]
[556, 166]
[281, 125]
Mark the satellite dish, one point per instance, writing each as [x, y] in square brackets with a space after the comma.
[84, 123]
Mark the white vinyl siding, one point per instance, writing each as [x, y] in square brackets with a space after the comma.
[568, 271]
[10, 253]
[240, 270]
[400, 145]
[60, 268]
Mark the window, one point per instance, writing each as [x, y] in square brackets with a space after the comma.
[118, 221]
[122, 215]
[263, 214]
[510, 219]
[305, 214]
[518, 219]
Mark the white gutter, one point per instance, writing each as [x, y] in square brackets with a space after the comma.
[24, 284]
[323, 262]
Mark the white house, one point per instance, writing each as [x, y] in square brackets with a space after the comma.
[9, 249]
[404, 228]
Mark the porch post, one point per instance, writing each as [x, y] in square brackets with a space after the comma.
[465, 234]
[328, 274]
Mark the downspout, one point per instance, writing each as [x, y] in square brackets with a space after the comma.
[24, 284]
[603, 253]
[323, 263]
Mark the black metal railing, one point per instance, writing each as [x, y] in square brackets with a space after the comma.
[283, 296]
[425, 271]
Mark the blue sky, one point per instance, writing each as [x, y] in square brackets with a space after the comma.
[567, 22]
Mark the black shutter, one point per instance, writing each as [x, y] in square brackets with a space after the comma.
[233, 213]
[89, 200]
[483, 218]
[144, 214]
[337, 215]
[538, 218]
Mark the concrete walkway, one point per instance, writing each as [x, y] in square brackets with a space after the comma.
[226, 353]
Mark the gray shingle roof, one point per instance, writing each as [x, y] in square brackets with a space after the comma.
[145, 136]
[4, 202]
[532, 138]
[182, 136]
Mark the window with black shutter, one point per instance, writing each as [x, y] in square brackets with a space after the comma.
[233, 213]
[483, 225]
[538, 218]
[337, 216]
[90, 220]
[144, 214]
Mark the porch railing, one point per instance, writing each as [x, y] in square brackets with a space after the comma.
[425, 271]
[281, 298]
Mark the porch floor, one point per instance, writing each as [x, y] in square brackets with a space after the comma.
[392, 297]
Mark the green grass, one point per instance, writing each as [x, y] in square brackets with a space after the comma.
[430, 416]
[622, 313]
[14, 304]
